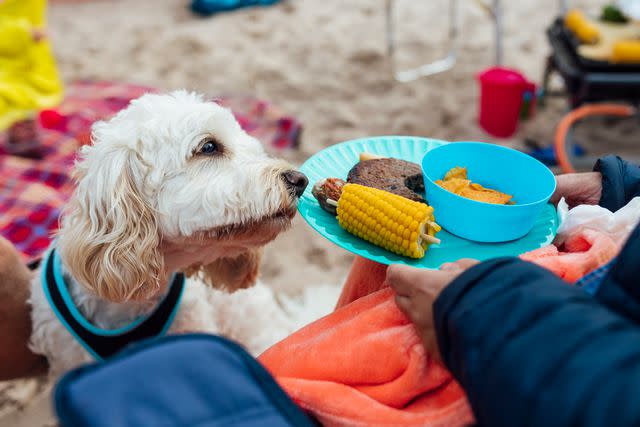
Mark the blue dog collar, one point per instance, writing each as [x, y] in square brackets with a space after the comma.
[102, 343]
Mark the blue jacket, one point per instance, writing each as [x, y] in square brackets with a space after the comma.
[531, 350]
[190, 380]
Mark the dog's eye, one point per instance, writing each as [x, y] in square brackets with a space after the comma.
[209, 148]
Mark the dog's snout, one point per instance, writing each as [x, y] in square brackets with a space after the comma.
[296, 181]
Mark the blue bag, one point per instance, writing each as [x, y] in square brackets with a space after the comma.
[209, 7]
[188, 380]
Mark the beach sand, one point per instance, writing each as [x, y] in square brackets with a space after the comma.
[322, 61]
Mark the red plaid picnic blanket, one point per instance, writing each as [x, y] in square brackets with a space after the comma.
[32, 192]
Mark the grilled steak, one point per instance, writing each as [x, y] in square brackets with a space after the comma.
[393, 175]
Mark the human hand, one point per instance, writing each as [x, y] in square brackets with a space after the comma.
[416, 291]
[578, 188]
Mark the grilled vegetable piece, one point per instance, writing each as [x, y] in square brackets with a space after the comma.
[327, 192]
[400, 225]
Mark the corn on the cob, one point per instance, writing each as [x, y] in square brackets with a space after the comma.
[580, 25]
[393, 222]
[627, 51]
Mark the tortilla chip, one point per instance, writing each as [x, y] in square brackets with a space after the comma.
[456, 173]
[456, 182]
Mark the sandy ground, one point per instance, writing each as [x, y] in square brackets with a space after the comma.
[321, 61]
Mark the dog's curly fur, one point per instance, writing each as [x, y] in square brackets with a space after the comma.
[171, 183]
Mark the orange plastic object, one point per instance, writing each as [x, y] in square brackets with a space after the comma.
[574, 116]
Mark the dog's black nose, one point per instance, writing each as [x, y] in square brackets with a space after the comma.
[296, 181]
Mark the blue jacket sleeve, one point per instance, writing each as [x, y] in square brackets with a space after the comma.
[620, 182]
[530, 350]
[620, 290]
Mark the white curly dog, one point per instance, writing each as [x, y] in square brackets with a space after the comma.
[170, 184]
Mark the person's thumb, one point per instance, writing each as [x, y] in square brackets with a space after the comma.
[403, 279]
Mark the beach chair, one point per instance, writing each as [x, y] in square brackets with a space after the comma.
[449, 60]
[426, 69]
[494, 10]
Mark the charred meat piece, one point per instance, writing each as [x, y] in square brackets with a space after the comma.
[327, 192]
[415, 183]
[393, 175]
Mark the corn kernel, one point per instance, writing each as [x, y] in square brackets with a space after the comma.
[385, 219]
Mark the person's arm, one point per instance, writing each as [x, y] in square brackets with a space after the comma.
[531, 350]
[16, 360]
[620, 182]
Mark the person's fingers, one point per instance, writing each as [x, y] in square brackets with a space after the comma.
[418, 315]
[458, 266]
[403, 279]
[403, 303]
[430, 342]
[578, 188]
[466, 263]
[560, 190]
[449, 266]
[411, 282]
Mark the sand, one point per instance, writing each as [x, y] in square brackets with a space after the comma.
[322, 61]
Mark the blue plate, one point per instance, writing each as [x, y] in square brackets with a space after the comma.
[337, 160]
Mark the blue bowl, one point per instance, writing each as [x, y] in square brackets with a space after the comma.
[530, 182]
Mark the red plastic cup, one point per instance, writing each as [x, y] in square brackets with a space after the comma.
[501, 93]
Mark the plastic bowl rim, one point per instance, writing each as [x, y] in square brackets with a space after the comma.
[500, 147]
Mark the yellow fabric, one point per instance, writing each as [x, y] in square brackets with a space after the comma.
[15, 36]
[29, 80]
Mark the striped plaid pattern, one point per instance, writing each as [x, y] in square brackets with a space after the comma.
[32, 192]
[592, 281]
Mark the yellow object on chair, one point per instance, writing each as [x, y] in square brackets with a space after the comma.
[29, 80]
[626, 51]
[582, 27]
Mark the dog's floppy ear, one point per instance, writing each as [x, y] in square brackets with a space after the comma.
[231, 274]
[109, 239]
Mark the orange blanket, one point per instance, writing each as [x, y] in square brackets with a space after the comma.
[364, 364]
[579, 254]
